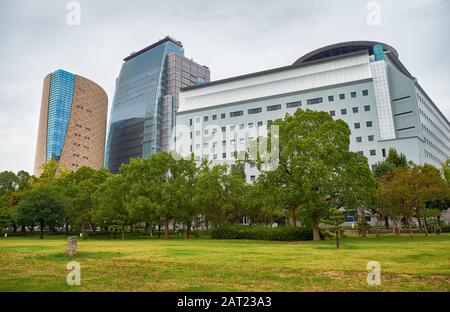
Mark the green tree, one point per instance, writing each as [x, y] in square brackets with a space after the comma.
[446, 170]
[78, 187]
[42, 206]
[313, 151]
[110, 204]
[334, 219]
[356, 188]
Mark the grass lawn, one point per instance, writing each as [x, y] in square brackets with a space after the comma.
[417, 264]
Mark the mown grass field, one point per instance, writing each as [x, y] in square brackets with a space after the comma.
[418, 264]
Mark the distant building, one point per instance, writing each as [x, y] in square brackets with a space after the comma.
[72, 122]
[363, 83]
[146, 99]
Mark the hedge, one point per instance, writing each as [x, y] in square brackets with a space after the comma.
[283, 233]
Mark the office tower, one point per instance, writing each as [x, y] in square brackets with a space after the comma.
[146, 99]
[72, 122]
[363, 83]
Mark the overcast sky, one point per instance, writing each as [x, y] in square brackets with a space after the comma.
[231, 37]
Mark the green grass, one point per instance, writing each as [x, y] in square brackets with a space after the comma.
[417, 264]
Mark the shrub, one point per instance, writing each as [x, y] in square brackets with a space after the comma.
[284, 233]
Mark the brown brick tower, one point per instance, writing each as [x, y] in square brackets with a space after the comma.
[72, 122]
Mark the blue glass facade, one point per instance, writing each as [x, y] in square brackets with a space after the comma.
[59, 107]
[136, 112]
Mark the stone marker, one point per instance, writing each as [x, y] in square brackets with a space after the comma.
[71, 246]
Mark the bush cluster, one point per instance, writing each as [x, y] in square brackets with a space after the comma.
[284, 233]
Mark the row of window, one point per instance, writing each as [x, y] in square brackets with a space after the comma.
[319, 100]
[432, 156]
[355, 110]
[432, 111]
[87, 109]
[373, 152]
[275, 107]
[370, 138]
[79, 135]
[430, 121]
[435, 137]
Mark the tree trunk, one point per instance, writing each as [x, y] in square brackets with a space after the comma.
[188, 229]
[315, 228]
[337, 238]
[378, 229]
[159, 229]
[207, 224]
[123, 231]
[41, 225]
[410, 227]
[386, 222]
[425, 226]
[67, 227]
[166, 229]
[22, 228]
[293, 218]
[174, 226]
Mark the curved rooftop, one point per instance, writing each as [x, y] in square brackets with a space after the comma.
[341, 49]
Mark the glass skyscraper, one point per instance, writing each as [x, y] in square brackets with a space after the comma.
[146, 99]
[59, 106]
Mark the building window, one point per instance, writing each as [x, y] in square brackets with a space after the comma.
[236, 114]
[215, 156]
[224, 142]
[252, 111]
[214, 117]
[367, 108]
[232, 127]
[330, 98]
[224, 129]
[365, 92]
[371, 138]
[343, 111]
[206, 132]
[353, 94]
[332, 113]
[368, 124]
[224, 155]
[190, 122]
[342, 96]
[360, 153]
[273, 107]
[357, 125]
[314, 101]
[293, 104]
[260, 123]
[355, 110]
[241, 126]
[359, 139]
[197, 120]
[252, 178]
[205, 118]
[197, 133]
[373, 152]
[250, 125]
[383, 151]
[222, 115]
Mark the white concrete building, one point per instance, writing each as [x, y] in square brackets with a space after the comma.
[363, 83]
